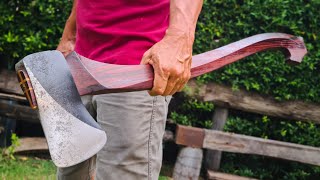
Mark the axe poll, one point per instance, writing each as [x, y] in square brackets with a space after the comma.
[53, 85]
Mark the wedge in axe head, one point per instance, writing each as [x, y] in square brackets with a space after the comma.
[72, 134]
[54, 84]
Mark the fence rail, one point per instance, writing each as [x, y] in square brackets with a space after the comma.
[13, 105]
[216, 141]
[246, 101]
[231, 142]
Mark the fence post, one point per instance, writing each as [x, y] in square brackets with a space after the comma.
[188, 164]
[219, 119]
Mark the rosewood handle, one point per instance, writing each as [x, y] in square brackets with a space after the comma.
[92, 77]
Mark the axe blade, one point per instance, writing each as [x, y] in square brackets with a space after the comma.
[71, 132]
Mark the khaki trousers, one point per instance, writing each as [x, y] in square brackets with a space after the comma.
[134, 123]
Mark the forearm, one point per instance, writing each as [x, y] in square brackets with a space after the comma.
[171, 57]
[69, 32]
[68, 39]
[183, 17]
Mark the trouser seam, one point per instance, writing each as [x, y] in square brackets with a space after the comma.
[150, 137]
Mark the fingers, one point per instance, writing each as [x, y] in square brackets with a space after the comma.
[146, 57]
[176, 87]
[173, 83]
[169, 81]
[183, 79]
[63, 51]
[176, 82]
[65, 54]
[65, 47]
[186, 75]
[159, 84]
[171, 67]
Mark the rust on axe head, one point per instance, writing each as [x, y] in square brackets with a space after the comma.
[72, 134]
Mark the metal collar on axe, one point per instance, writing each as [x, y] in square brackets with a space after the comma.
[53, 85]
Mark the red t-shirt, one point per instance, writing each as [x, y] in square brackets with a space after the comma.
[119, 31]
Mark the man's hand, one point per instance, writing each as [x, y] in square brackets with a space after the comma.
[171, 57]
[171, 60]
[66, 46]
[68, 39]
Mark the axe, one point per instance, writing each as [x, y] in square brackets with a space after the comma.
[53, 85]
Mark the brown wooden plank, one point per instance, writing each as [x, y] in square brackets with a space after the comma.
[13, 97]
[189, 136]
[252, 102]
[231, 142]
[14, 110]
[212, 175]
[9, 82]
[32, 144]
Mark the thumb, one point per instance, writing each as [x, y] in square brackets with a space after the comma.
[146, 57]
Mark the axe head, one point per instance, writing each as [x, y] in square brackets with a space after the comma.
[72, 134]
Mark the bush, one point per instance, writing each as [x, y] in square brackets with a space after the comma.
[30, 26]
[223, 22]
[266, 73]
[36, 25]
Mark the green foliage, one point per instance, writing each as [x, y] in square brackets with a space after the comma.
[269, 168]
[8, 153]
[231, 20]
[14, 144]
[223, 22]
[27, 168]
[265, 127]
[29, 26]
[190, 111]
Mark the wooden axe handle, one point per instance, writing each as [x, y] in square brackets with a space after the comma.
[92, 77]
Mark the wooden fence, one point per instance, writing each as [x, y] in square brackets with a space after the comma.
[13, 105]
[217, 141]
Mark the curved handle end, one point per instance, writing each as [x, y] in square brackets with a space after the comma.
[295, 54]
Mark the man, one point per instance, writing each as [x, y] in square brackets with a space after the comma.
[155, 32]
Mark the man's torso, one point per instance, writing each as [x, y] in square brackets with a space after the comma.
[120, 31]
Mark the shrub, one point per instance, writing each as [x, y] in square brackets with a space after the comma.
[266, 73]
[30, 26]
[223, 22]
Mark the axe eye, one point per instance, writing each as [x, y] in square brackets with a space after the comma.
[27, 89]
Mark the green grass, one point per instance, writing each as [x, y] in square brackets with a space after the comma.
[25, 168]
[28, 168]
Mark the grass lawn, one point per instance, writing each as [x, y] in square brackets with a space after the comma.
[26, 168]
[29, 168]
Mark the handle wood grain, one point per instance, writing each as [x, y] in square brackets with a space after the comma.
[92, 77]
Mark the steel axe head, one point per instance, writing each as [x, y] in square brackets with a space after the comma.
[71, 132]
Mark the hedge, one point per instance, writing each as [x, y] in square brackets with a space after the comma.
[36, 25]
[29, 26]
[223, 22]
